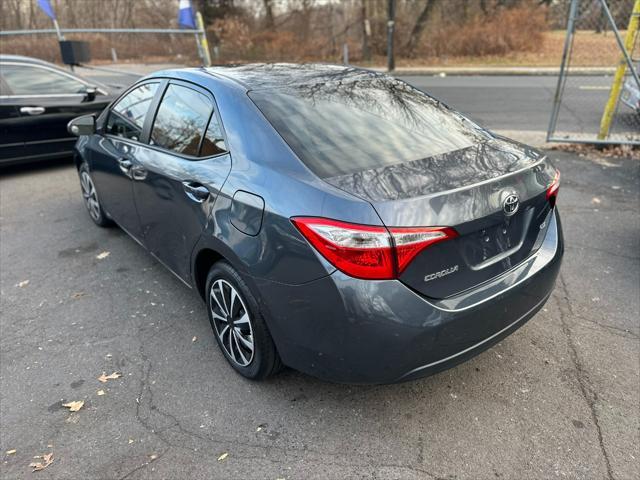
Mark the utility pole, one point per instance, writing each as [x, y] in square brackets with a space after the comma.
[391, 11]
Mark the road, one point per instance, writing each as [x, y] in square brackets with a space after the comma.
[519, 106]
[557, 399]
[520, 103]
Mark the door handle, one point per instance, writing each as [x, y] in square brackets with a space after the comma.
[196, 191]
[32, 110]
[125, 165]
[138, 173]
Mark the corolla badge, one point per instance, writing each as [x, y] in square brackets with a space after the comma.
[510, 204]
[441, 273]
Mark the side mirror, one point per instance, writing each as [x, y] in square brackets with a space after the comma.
[90, 94]
[85, 125]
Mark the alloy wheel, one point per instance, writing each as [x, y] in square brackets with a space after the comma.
[90, 195]
[232, 322]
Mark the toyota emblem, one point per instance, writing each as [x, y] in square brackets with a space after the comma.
[510, 204]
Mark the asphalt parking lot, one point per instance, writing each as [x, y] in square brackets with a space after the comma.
[558, 399]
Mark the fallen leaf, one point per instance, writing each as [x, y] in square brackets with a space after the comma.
[74, 406]
[223, 456]
[103, 378]
[78, 295]
[102, 255]
[23, 283]
[100, 393]
[11, 452]
[194, 339]
[47, 459]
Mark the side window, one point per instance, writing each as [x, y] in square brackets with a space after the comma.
[31, 80]
[126, 117]
[213, 142]
[4, 88]
[181, 120]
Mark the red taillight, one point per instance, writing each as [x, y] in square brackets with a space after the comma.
[552, 189]
[409, 242]
[365, 251]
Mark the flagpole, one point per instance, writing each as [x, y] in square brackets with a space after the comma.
[203, 44]
[58, 32]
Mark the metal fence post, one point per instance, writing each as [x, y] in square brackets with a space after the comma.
[625, 61]
[573, 8]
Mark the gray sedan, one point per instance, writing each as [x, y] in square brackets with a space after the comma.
[334, 220]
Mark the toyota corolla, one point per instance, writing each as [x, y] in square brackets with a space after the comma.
[335, 220]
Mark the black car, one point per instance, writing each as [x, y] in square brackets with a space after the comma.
[335, 220]
[37, 100]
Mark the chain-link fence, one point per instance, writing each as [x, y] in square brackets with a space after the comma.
[110, 47]
[599, 104]
[442, 33]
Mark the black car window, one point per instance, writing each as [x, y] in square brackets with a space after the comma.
[33, 80]
[340, 128]
[181, 120]
[126, 117]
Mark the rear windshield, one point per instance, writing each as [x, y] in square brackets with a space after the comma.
[338, 128]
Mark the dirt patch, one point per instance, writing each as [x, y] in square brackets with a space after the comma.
[608, 151]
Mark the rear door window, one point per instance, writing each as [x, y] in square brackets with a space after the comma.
[127, 116]
[213, 142]
[181, 121]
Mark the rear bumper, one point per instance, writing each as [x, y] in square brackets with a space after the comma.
[355, 331]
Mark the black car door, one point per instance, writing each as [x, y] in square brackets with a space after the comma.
[11, 141]
[45, 100]
[112, 153]
[178, 176]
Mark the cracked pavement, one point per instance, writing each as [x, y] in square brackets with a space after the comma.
[559, 398]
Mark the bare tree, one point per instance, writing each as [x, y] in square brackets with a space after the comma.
[419, 26]
[268, 14]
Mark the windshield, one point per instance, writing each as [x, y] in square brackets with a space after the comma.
[338, 128]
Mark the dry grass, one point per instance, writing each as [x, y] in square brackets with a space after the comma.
[513, 30]
[590, 50]
[599, 151]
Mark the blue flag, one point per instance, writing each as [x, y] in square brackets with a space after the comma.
[185, 14]
[46, 7]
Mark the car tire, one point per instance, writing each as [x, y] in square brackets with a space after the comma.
[237, 323]
[91, 200]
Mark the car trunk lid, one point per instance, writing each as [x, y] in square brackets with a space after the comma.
[492, 194]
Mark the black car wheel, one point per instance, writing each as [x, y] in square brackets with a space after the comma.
[238, 325]
[91, 200]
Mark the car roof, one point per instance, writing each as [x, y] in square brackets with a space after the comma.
[23, 59]
[258, 76]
